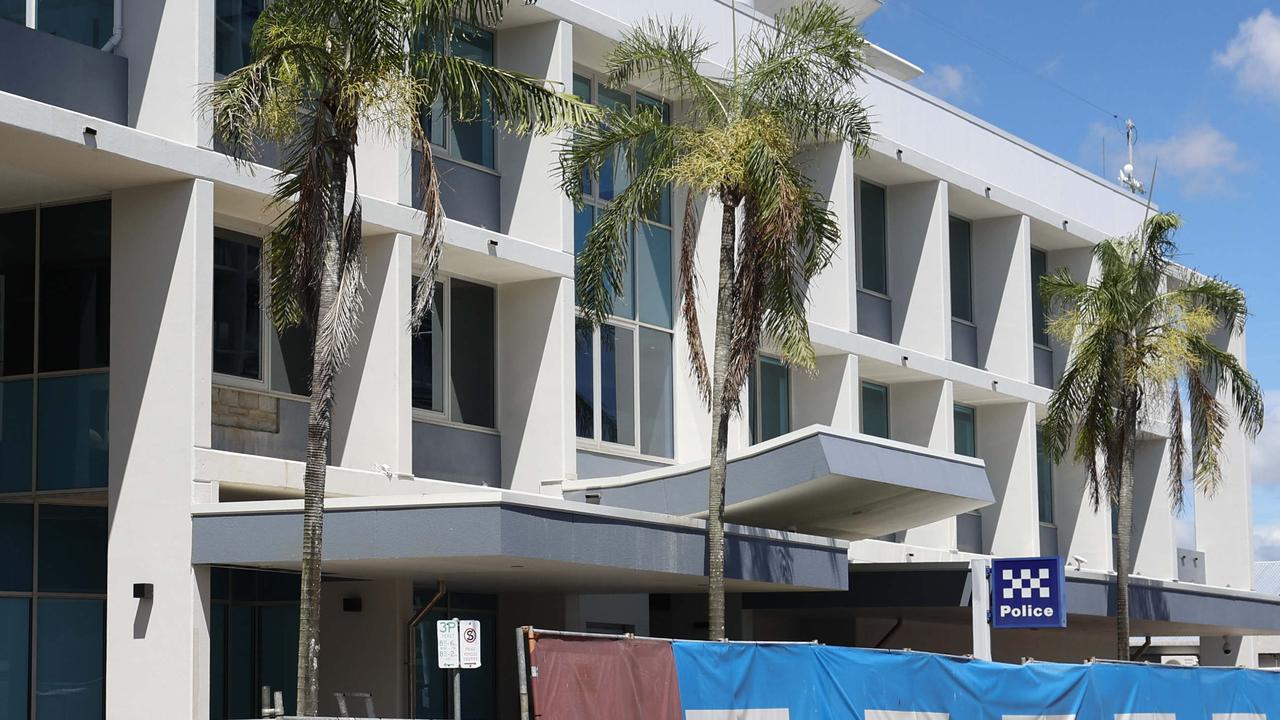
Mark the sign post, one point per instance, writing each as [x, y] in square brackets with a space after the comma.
[457, 648]
[1028, 593]
[980, 603]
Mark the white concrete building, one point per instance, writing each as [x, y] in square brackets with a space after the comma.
[502, 463]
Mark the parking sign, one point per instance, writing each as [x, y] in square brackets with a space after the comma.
[469, 634]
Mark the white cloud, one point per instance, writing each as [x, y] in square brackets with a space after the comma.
[1051, 66]
[1266, 542]
[949, 82]
[1200, 157]
[1264, 456]
[1254, 55]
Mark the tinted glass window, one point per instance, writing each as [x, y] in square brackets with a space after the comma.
[656, 380]
[73, 549]
[582, 88]
[472, 138]
[428, 356]
[75, 286]
[87, 22]
[17, 292]
[15, 654]
[875, 409]
[961, 270]
[966, 431]
[875, 274]
[13, 11]
[661, 214]
[653, 275]
[70, 658]
[1040, 323]
[774, 397]
[233, 28]
[72, 432]
[1044, 482]
[15, 552]
[584, 366]
[15, 435]
[237, 314]
[613, 173]
[617, 385]
[472, 352]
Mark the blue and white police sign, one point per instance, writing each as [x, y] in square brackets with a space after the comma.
[1028, 593]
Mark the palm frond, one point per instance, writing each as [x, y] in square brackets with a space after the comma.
[670, 51]
[1177, 449]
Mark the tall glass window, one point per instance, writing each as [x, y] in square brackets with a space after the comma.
[469, 139]
[873, 258]
[1044, 482]
[457, 340]
[62, 619]
[624, 367]
[88, 22]
[253, 640]
[232, 30]
[1039, 319]
[961, 269]
[242, 328]
[769, 399]
[966, 431]
[875, 409]
[64, 394]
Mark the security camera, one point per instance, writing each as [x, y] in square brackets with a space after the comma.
[1226, 645]
[1079, 560]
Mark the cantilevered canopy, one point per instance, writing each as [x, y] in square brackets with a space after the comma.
[815, 480]
[502, 540]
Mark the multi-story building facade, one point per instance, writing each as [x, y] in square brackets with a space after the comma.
[503, 463]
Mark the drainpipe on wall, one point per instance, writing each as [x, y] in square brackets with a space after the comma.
[117, 27]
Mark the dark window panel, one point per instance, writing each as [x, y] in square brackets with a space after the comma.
[872, 240]
[657, 432]
[70, 658]
[72, 439]
[15, 656]
[233, 28]
[961, 233]
[15, 550]
[73, 549]
[88, 22]
[584, 368]
[428, 356]
[966, 438]
[875, 409]
[237, 310]
[17, 292]
[775, 398]
[617, 385]
[15, 436]
[1040, 326]
[75, 286]
[472, 357]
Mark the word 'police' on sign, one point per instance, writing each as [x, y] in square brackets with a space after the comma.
[1028, 593]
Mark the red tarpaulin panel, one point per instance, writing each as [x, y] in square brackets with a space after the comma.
[589, 678]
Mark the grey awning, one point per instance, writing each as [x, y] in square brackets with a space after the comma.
[514, 541]
[814, 480]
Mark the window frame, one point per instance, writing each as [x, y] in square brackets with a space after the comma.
[972, 412]
[754, 404]
[446, 150]
[861, 238]
[972, 320]
[445, 417]
[266, 329]
[36, 375]
[592, 200]
[1038, 302]
[1052, 520]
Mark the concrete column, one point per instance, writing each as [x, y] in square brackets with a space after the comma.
[170, 50]
[1006, 436]
[1002, 295]
[529, 189]
[832, 294]
[372, 409]
[921, 413]
[367, 650]
[1153, 549]
[384, 166]
[831, 397]
[920, 266]
[536, 406]
[161, 294]
[1082, 266]
[1082, 531]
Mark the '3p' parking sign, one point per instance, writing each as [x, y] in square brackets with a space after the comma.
[1028, 593]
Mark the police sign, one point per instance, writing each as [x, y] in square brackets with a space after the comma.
[1028, 593]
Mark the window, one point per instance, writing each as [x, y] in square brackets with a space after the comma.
[624, 373]
[966, 431]
[961, 233]
[1040, 326]
[233, 28]
[253, 639]
[875, 409]
[241, 327]
[1044, 481]
[470, 140]
[53, 413]
[63, 617]
[873, 229]
[457, 340]
[88, 22]
[769, 399]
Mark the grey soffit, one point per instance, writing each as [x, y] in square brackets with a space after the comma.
[821, 482]
[1155, 606]
[513, 546]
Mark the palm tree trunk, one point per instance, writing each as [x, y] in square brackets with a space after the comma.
[1124, 527]
[718, 467]
[318, 427]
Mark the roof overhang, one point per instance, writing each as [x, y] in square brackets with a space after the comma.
[503, 540]
[816, 480]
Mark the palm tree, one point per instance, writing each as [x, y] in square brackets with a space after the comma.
[323, 72]
[1138, 335]
[791, 86]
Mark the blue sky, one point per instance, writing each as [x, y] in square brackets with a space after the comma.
[1202, 83]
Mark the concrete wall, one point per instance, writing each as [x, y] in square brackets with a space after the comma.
[919, 267]
[1007, 443]
[1002, 295]
[63, 72]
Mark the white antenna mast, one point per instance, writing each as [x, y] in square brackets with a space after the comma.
[1127, 178]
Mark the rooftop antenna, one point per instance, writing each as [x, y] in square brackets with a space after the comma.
[1127, 178]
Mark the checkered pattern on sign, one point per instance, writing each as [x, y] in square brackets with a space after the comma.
[1026, 584]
